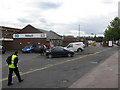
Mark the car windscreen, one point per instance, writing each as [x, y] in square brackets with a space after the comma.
[58, 49]
[70, 45]
[29, 46]
[38, 46]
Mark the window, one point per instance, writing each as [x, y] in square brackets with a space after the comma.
[70, 45]
[58, 49]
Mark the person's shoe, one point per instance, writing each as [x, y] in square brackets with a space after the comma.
[21, 80]
[9, 84]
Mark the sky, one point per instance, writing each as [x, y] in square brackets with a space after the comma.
[62, 16]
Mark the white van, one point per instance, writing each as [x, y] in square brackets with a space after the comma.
[75, 46]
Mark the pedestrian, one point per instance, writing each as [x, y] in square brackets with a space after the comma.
[14, 67]
[42, 49]
[45, 48]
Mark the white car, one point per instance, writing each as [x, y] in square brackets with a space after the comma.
[75, 46]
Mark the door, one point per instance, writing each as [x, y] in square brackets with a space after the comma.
[70, 47]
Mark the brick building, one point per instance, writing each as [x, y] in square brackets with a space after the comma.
[18, 38]
[6, 35]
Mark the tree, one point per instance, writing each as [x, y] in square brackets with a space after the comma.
[69, 36]
[113, 30]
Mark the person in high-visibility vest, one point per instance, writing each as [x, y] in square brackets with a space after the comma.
[14, 67]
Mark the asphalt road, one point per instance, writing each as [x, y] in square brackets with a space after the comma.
[41, 72]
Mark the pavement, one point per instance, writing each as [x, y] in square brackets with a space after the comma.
[104, 75]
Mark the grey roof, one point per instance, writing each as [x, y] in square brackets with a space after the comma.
[51, 34]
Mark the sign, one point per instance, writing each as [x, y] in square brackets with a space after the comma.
[110, 44]
[82, 38]
[37, 35]
[28, 42]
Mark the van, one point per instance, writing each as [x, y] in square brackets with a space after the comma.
[75, 46]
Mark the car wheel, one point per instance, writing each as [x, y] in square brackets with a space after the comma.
[79, 50]
[30, 51]
[49, 56]
[3, 52]
[69, 55]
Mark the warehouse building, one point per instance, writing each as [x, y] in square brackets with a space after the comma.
[32, 35]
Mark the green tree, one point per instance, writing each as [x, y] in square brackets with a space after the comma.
[113, 30]
[69, 36]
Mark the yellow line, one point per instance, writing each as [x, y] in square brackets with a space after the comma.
[58, 63]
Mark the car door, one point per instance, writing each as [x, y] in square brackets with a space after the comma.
[70, 47]
[61, 52]
[55, 52]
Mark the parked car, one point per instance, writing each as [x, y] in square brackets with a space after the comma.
[94, 43]
[59, 52]
[118, 43]
[75, 46]
[37, 49]
[2, 49]
[28, 48]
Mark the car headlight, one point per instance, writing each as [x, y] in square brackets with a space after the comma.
[47, 51]
[28, 49]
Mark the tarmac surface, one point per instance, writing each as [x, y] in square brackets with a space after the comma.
[103, 76]
[84, 70]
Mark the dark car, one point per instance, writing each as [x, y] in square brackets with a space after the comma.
[28, 48]
[59, 52]
[2, 50]
[37, 49]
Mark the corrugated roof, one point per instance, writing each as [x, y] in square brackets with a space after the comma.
[51, 34]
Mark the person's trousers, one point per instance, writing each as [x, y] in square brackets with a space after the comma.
[16, 71]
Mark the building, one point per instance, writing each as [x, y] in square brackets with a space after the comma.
[32, 35]
[6, 34]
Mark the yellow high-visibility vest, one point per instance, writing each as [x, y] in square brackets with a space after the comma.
[12, 61]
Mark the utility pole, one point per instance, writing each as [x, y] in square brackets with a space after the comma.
[79, 31]
[119, 9]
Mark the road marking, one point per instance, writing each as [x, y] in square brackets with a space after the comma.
[58, 63]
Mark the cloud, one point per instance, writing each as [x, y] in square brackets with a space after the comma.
[61, 16]
[24, 20]
[96, 25]
[108, 1]
[48, 5]
[43, 20]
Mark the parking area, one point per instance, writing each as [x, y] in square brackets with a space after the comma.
[31, 56]
[35, 67]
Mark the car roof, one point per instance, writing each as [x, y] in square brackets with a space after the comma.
[58, 47]
[76, 42]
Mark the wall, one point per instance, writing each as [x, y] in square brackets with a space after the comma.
[18, 44]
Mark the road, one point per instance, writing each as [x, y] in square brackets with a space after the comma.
[41, 72]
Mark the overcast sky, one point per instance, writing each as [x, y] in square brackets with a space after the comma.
[61, 16]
